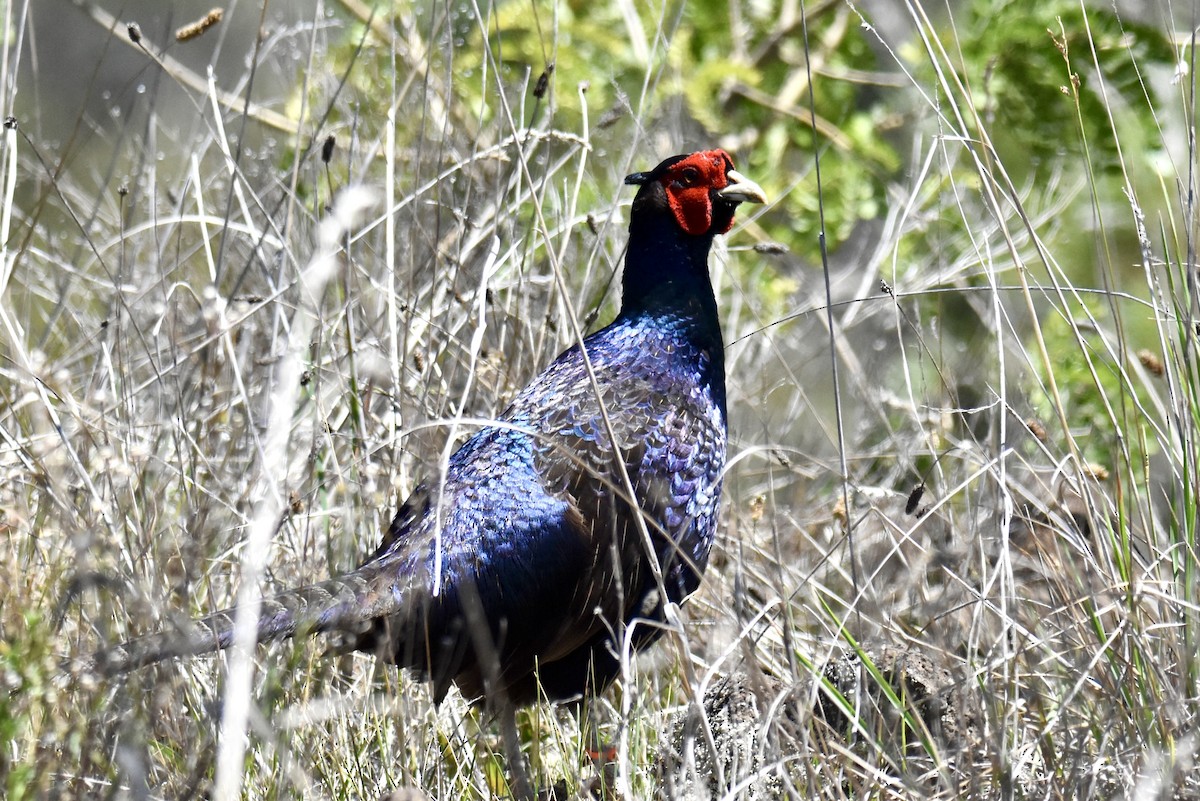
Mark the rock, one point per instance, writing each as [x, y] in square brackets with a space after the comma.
[734, 716]
[944, 705]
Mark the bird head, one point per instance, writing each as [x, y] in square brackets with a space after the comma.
[702, 190]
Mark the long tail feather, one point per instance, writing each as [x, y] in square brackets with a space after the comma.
[347, 604]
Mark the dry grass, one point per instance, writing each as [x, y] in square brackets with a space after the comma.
[204, 382]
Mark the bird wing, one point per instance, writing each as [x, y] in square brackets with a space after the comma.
[491, 562]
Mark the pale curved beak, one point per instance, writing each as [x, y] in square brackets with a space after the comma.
[742, 190]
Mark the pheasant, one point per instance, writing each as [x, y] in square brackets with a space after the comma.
[564, 527]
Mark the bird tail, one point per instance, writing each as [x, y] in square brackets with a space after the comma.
[349, 604]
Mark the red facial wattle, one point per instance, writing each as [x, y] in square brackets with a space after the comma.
[689, 185]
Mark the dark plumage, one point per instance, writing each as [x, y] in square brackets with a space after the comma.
[526, 562]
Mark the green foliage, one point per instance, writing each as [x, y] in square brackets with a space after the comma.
[24, 658]
[1047, 75]
[745, 84]
[1099, 399]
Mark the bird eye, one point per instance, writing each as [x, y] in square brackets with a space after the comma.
[690, 175]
